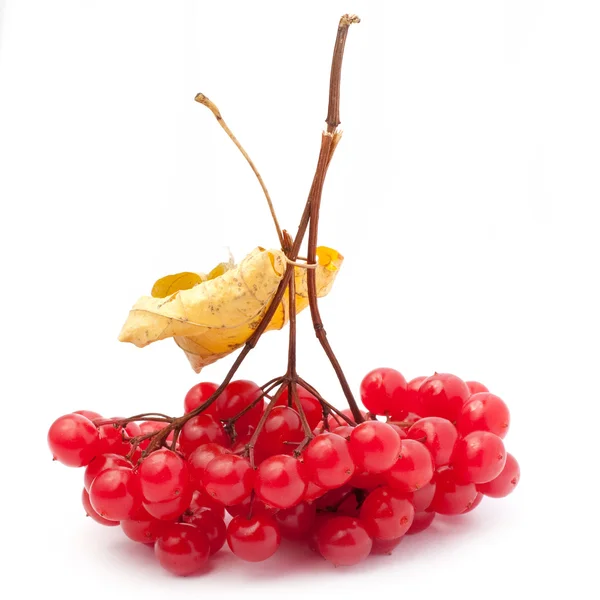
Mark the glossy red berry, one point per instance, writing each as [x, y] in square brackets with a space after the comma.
[281, 481]
[383, 392]
[443, 395]
[374, 446]
[413, 469]
[479, 457]
[115, 494]
[452, 497]
[254, 539]
[310, 404]
[200, 430]
[328, 461]
[198, 461]
[212, 525]
[421, 522]
[183, 549]
[505, 483]
[113, 439]
[296, 523]
[343, 541]
[90, 512]
[282, 425]
[235, 398]
[228, 479]
[163, 476]
[73, 440]
[144, 531]
[387, 514]
[101, 463]
[198, 395]
[169, 510]
[475, 387]
[484, 412]
[437, 435]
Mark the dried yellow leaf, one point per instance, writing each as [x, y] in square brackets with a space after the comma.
[210, 317]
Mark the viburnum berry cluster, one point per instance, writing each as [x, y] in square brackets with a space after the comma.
[430, 446]
[280, 459]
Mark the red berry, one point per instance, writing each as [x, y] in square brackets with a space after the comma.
[451, 497]
[101, 463]
[73, 440]
[183, 549]
[144, 531]
[115, 494]
[484, 412]
[281, 425]
[478, 457]
[475, 503]
[228, 479]
[413, 469]
[296, 523]
[235, 398]
[199, 430]
[343, 541]
[421, 522]
[422, 499]
[90, 512]
[310, 404]
[374, 446]
[385, 546]
[437, 435]
[443, 395]
[344, 431]
[254, 539]
[88, 414]
[198, 395]
[281, 481]
[169, 510]
[199, 459]
[112, 440]
[386, 514]
[163, 476]
[505, 483]
[475, 387]
[328, 461]
[383, 392]
[413, 402]
[212, 525]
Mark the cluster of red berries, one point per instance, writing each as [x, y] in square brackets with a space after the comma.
[353, 490]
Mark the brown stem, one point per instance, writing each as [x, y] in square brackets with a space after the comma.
[328, 405]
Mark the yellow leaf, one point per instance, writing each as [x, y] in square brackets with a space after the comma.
[211, 317]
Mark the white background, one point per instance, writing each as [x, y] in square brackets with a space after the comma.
[464, 197]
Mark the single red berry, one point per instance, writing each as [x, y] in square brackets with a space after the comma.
[90, 512]
[479, 457]
[328, 461]
[437, 435]
[169, 510]
[383, 392]
[212, 525]
[235, 398]
[200, 430]
[443, 395]
[343, 541]
[73, 440]
[387, 514]
[421, 522]
[413, 401]
[199, 459]
[452, 497]
[254, 539]
[413, 469]
[183, 549]
[101, 463]
[374, 446]
[115, 494]
[282, 425]
[198, 395]
[310, 404]
[505, 483]
[163, 476]
[144, 531]
[281, 481]
[475, 387]
[228, 478]
[297, 522]
[484, 412]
